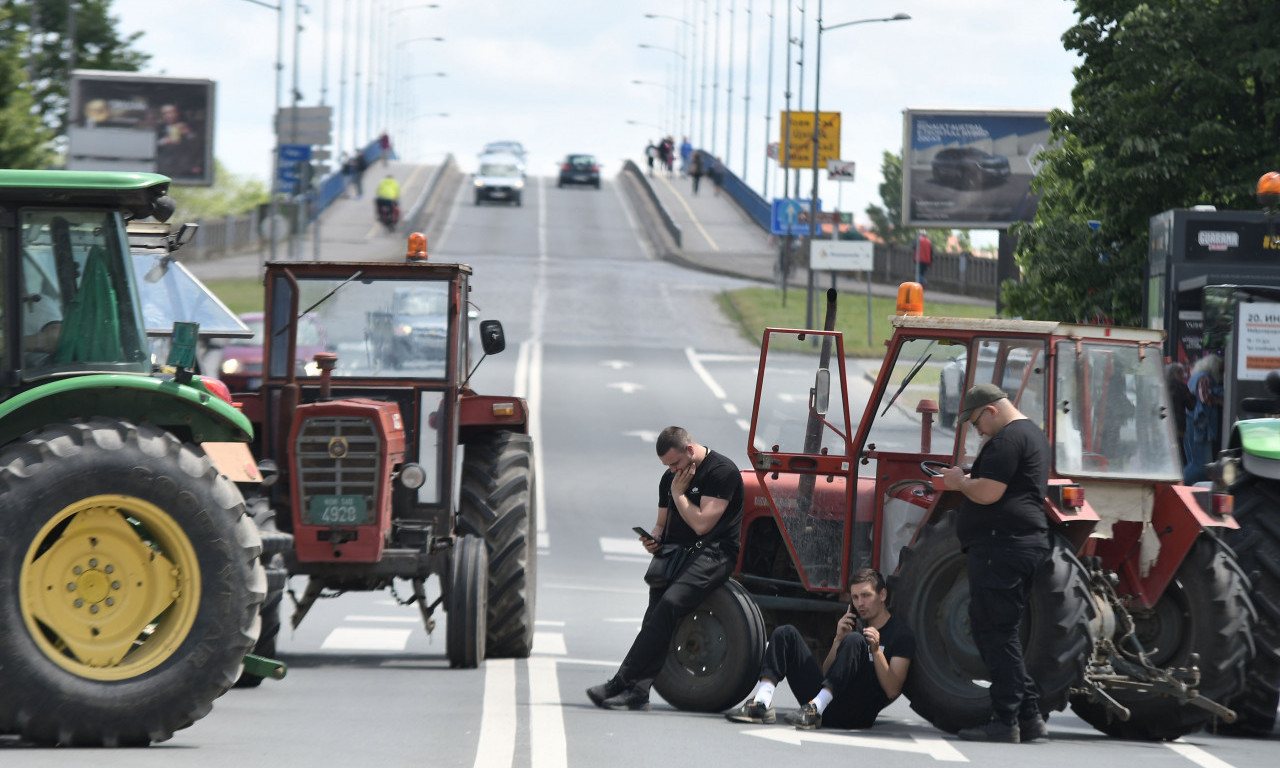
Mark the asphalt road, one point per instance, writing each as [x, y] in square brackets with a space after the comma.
[609, 345]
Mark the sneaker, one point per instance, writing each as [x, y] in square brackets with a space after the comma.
[752, 712]
[1032, 729]
[806, 718]
[598, 693]
[992, 731]
[631, 698]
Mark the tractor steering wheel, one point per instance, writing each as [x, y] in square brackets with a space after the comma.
[934, 468]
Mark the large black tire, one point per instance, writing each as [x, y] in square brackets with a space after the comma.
[129, 581]
[498, 496]
[465, 605]
[948, 681]
[264, 517]
[1257, 548]
[1206, 610]
[715, 653]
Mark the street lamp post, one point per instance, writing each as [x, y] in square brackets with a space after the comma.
[683, 91]
[674, 52]
[817, 90]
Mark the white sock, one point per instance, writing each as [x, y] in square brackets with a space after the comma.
[823, 698]
[763, 693]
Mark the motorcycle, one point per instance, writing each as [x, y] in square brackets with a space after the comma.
[388, 213]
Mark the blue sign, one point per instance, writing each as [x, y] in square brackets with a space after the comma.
[784, 218]
[287, 168]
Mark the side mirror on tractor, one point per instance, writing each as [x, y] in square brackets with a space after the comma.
[492, 339]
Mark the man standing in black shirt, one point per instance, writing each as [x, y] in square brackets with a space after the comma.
[863, 672]
[1004, 532]
[700, 508]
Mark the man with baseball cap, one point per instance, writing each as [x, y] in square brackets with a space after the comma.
[1003, 531]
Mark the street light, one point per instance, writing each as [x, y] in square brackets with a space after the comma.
[671, 118]
[817, 90]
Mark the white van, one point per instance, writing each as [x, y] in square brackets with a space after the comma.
[499, 177]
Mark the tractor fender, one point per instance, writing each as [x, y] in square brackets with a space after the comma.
[168, 404]
[1259, 440]
[510, 413]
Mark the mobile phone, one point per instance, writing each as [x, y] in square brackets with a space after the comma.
[642, 533]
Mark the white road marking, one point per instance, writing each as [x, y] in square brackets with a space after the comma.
[544, 539]
[715, 357]
[620, 546]
[393, 619]
[698, 368]
[353, 639]
[616, 365]
[933, 747]
[1196, 755]
[743, 424]
[730, 409]
[549, 644]
[645, 435]
[626, 387]
[498, 718]
[548, 623]
[548, 747]
[628, 558]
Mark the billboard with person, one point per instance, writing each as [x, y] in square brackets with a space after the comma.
[131, 122]
[970, 169]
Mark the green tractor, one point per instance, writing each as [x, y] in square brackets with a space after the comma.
[130, 573]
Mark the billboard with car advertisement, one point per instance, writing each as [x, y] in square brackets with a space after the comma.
[130, 122]
[970, 169]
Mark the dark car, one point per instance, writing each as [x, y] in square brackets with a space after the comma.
[418, 326]
[580, 169]
[242, 358]
[969, 168]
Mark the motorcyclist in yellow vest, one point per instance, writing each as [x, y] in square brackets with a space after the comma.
[388, 195]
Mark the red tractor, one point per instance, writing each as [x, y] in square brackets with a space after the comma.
[1140, 619]
[389, 466]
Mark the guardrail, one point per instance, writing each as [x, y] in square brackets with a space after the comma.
[747, 198]
[672, 228]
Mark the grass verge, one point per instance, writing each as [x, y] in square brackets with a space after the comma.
[240, 296]
[754, 309]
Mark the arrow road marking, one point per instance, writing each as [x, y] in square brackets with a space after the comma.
[933, 747]
[645, 435]
[627, 387]
[616, 365]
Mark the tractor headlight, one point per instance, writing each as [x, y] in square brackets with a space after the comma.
[412, 476]
[1226, 470]
[230, 366]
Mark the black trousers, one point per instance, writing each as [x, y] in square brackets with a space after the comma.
[851, 678]
[704, 575]
[1000, 580]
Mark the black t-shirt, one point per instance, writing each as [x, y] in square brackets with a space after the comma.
[897, 640]
[718, 477]
[1017, 456]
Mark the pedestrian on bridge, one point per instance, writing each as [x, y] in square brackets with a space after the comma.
[695, 547]
[695, 170]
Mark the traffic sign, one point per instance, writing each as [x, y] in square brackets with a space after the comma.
[305, 125]
[784, 216]
[840, 170]
[291, 155]
[841, 255]
[799, 152]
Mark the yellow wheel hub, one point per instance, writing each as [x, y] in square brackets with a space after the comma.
[110, 587]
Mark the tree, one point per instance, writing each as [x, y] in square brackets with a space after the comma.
[1175, 104]
[23, 140]
[230, 194]
[39, 30]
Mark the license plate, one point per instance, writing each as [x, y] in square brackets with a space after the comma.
[337, 510]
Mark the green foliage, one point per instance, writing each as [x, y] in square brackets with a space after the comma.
[230, 194]
[1176, 104]
[23, 140]
[38, 32]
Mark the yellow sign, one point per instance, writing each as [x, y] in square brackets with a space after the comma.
[798, 152]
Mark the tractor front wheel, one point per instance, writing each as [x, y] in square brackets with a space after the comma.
[948, 684]
[1257, 548]
[1204, 610]
[130, 582]
[715, 653]
[498, 505]
[465, 605]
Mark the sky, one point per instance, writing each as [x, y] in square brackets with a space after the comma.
[557, 75]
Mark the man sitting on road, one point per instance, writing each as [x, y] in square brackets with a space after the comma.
[863, 672]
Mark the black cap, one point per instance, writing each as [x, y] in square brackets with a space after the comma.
[978, 396]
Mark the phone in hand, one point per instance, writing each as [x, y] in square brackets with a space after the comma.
[642, 533]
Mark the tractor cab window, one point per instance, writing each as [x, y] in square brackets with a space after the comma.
[1018, 367]
[78, 310]
[1111, 413]
[387, 328]
[908, 418]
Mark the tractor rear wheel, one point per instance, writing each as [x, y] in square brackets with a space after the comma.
[130, 582]
[1205, 610]
[715, 653]
[498, 505]
[465, 604]
[948, 681]
[1257, 548]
